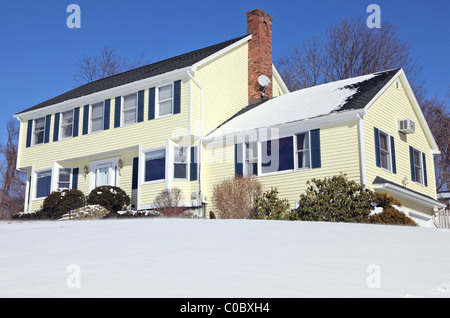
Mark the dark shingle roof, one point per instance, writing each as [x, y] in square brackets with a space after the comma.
[137, 74]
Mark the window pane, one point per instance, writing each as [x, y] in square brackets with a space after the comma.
[155, 165]
[384, 142]
[385, 160]
[66, 131]
[416, 158]
[39, 137]
[418, 174]
[180, 171]
[165, 108]
[302, 141]
[64, 175]
[303, 159]
[97, 110]
[97, 124]
[165, 92]
[67, 118]
[180, 154]
[43, 183]
[129, 116]
[277, 155]
[129, 101]
[39, 124]
[251, 150]
[63, 185]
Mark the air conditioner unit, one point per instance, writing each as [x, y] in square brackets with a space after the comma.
[406, 126]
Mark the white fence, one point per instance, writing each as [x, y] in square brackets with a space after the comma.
[442, 219]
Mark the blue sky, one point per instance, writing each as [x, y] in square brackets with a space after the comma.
[39, 52]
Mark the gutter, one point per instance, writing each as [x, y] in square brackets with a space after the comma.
[362, 152]
[200, 141]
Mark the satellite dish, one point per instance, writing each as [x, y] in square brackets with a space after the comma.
[263, 80]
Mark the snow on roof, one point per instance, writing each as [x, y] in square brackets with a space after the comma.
[307, 103]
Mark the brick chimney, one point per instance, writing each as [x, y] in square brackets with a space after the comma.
[259, 25]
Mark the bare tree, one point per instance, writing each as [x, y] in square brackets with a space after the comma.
[106, 63]
[348, 49]
[12, 181]
[438, 118]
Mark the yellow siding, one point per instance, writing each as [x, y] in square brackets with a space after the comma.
[339, 153]
[277, 87]
[392, 105]
[224, 82]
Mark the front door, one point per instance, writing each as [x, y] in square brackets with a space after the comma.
[102, 175]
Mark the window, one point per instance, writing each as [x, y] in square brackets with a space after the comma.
[43, 183]
[39, 131]
[129, 109]
[180, 163]
[385, 151]
[165, 98]
[64, 178]
[67, 124]
[302, 152]
[277, 155]
[418, 166]
[97, 117]
[251, 159]
[155, 165]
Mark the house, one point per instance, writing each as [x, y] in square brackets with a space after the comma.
[192, 120]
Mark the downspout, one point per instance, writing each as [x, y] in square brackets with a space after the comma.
[200, 142]
[362, 153]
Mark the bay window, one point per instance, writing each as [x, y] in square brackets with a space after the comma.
[180, 163]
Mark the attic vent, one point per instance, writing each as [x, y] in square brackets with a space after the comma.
[397, 84]
[406, 126]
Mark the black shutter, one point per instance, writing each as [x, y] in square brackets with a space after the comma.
[76, 121]
[134, 180]
[177, 97]
[425, 179]
[117, 112]
[106, 114]
[29, 132]
[75, 178]
[140, 115]
[85, 119]
[56, 127]
[411, 163]
[193, 164]
[316, 160]
[48, 120]
[377, 147]
[394, 166]
[151, 103]
[238, 160]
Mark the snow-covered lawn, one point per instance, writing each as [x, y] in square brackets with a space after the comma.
[221, 258]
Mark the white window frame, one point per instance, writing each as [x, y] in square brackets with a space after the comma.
[70, 177]
[60, 130]
[91, 107]
[296, 151]
[34, 183]
[33, 138]
[122, 110]
[184, 163]
[157, 101]
[142, 164]
[422, 172]
[389, 169]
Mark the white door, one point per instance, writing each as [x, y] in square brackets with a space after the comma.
[103, 175]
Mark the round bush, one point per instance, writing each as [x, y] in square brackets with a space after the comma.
[58, 203]
[112, 198]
